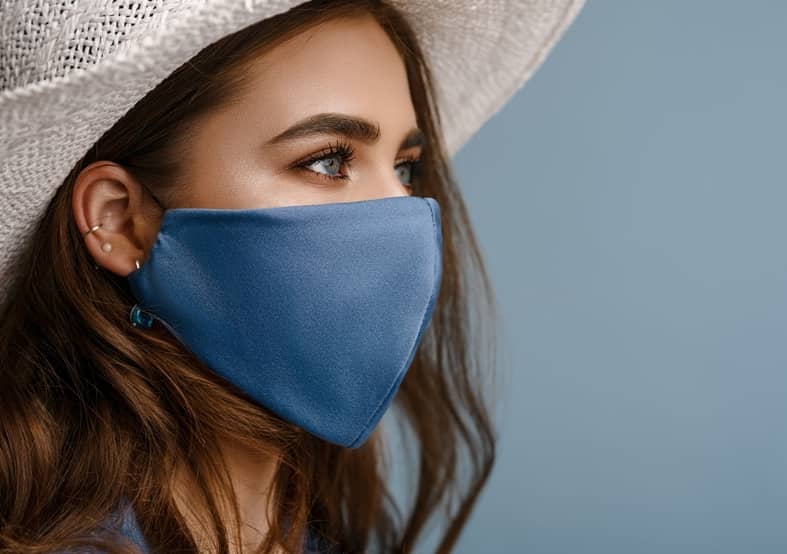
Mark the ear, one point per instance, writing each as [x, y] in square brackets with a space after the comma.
[105, 193]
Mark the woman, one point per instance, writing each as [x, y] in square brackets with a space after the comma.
[205, 321]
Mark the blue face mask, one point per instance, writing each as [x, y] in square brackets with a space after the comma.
[315, 311]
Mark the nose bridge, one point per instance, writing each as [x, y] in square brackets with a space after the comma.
[383, 183]
[391, 186]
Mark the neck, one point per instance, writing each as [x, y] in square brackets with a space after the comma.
[252, 478]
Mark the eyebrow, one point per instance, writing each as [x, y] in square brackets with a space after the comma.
[339, 124]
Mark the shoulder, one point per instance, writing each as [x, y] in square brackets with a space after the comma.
[316, 543]
[123, 520]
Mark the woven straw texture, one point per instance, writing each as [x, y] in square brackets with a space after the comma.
[69, 69]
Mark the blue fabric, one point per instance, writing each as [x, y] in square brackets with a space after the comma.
[129, 527]
[315, 311]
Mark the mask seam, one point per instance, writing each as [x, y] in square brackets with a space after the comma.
[415, 341]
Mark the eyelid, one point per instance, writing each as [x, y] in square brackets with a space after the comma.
[409, 158]
[342, 150]
[345, 152]
[339, 149]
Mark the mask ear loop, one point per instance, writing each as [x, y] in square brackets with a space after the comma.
[139, 317]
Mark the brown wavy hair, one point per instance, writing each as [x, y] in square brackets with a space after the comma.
[94, 410]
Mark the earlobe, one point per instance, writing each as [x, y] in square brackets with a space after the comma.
[107, 208]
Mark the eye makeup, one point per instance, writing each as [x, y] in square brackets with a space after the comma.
[344, 152]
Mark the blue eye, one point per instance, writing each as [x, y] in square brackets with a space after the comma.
[342, 154]
[411, 170]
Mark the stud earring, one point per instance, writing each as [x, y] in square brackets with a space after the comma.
[106, 247]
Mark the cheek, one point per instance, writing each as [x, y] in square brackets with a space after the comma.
[294, 187]
[245, 185]
[230, 174]
[221, 191]
[217, 175]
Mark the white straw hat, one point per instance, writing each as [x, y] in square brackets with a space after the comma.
[70, 70]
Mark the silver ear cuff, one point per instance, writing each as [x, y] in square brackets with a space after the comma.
[86, 233]
[106, 247]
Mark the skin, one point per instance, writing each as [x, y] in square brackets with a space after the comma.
[345, 66]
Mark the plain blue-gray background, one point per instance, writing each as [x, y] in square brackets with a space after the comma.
[630, 200]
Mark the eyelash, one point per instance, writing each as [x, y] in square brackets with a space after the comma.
[346, 153]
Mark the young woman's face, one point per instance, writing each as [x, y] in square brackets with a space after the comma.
[274, 147]
[339, 86]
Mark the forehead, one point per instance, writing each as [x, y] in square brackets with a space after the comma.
[346, 65]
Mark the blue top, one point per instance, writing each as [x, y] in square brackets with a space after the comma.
[129, 527]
